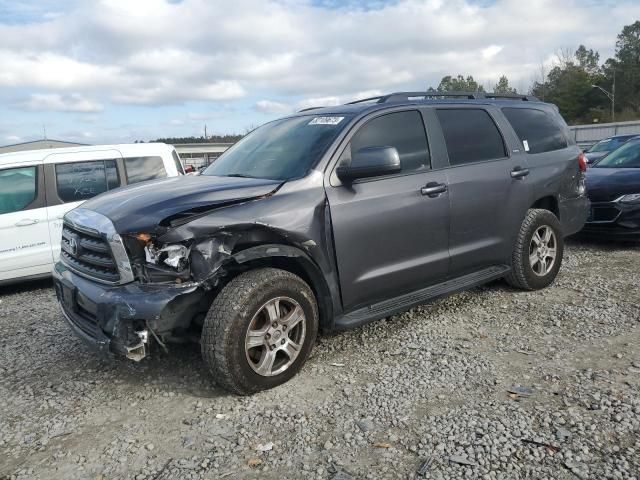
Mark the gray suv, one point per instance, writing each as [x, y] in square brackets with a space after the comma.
[324, 220]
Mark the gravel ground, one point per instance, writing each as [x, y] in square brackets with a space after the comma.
[492, 383]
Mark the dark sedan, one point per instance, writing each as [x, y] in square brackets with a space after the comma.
[613, 186]
[606, 146]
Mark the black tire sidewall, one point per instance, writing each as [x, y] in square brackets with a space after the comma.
[281, 284]
[534, 281]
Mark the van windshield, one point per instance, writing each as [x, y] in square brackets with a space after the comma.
[280, 150]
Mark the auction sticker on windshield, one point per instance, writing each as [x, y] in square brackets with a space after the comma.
[326, 121]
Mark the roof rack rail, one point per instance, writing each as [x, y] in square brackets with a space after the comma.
[309, 108]
[406, 96]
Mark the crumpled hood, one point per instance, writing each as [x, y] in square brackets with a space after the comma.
[141, 207]
[607, 184]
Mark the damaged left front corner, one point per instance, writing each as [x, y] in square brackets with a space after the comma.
[208, 255]
[139, 351]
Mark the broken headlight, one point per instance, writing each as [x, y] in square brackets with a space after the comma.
[175, 256]
[155, 262]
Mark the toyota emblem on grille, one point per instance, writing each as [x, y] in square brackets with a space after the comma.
[73, 246]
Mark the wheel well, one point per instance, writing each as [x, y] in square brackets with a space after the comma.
[297, 267]
[548, 203]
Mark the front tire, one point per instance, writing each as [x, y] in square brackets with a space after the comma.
[259, 330]
[538, 250]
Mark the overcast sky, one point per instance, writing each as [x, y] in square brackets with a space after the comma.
[121, 70]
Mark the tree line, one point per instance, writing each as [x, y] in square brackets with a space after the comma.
[569, 83]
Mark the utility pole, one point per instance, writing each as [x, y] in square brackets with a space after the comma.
[44, 131]
[611, 96]
[205, 131]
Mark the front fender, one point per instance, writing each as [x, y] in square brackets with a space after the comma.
[313, 272]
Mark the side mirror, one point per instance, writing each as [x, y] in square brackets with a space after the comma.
[370, 162]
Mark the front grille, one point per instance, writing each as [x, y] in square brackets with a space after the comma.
[88, 254]
[603, 214]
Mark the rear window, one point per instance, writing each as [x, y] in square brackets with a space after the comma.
[80, 181]
[471, 135]
[538, 131]
[140, 169]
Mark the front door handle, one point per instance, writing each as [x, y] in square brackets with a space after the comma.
[519, 172]
[433, 189]
[26, 222]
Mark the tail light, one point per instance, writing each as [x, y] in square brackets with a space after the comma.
[582, 162]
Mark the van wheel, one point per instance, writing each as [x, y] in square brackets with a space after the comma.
[259, 330]
[537, 253]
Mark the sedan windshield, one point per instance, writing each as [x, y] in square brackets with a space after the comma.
[608, 144]
[280, 150]
[627, 156]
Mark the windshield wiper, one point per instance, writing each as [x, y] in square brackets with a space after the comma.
[238, 175]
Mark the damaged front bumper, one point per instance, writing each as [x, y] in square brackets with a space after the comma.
[123, 319]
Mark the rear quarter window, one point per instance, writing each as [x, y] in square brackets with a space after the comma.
[538, 131]
[140, 169]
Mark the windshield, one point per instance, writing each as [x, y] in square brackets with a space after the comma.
[627, 156]
[608, 144]
[280, 150]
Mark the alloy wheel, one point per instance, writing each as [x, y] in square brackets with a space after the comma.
[275, 336]
[543, 250]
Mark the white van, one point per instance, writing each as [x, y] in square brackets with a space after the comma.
[38, 187]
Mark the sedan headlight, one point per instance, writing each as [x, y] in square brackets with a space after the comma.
[630, 198]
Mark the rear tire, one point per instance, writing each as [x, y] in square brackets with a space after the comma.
[537, 253]
[259, 330]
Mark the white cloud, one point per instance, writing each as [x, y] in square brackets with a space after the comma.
[279, 55]
[63, 103]
[318, 102]
[271, 107]
[166, 91]
[491, 51]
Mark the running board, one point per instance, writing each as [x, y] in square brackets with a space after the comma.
[409, 300]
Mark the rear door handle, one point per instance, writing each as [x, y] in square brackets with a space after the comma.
[433, 189]
[26, 222]
[519, 172]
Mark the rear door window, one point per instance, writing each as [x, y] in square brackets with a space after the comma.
[402, 130]
[538, 131]
[18, 189]
[471, 135]
[140, 169]
[78, 181]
